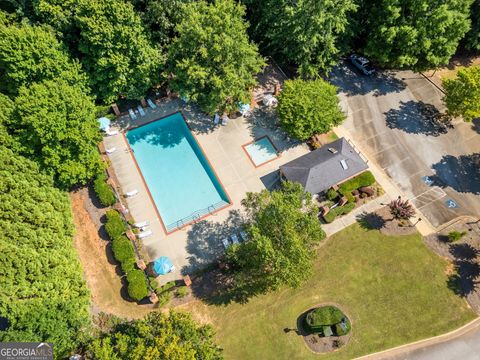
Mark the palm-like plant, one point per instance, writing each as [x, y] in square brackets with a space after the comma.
[401, 209]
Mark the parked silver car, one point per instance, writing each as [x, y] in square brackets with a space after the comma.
[361, 64]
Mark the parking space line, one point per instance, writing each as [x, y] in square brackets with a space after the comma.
[438, 194]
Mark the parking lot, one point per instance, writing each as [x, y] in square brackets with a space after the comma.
[392, 118]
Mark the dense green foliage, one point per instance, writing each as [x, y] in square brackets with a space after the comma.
[462, 94]
[308, 107]
[364, 179]
[43, 294]
[416, 34]
[282, 231]
[54, 124]
[104, 192]
[455, 235]
[115, 50]
[171, 336]
[30, 54]
[311, 34]
[7, 106]
[137, 285]
[212, 60]
[337, 211]
[123, 250]
[327, 316]
[472, 39]
[114, 226]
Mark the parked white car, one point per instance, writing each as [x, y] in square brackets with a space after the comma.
[362, 64]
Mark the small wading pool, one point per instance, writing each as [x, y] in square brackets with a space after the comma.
[261, 151]
[181, 182]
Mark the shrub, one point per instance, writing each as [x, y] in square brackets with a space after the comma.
[114, 225]
[182, 291]
[164, 298]
[332, 194]
[137, 285]
[343, 330]
[401, 209]
[350, 197]
[104, 192]
[456, 235]
[168, 286]
[339, 210]
[128, 265]
[364, 179]
[123, 249]
[325, 316]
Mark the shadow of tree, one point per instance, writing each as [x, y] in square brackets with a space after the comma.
[164, 133]
[416, 118]
[476, 125]
[371, 221]
[350, 81]
[460, 173]
[464, 281]
[464, 251]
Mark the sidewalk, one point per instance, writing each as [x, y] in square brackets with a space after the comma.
[391, 190]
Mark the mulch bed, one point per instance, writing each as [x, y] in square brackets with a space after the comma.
[464, 255]
[320, 344]
[383, 221]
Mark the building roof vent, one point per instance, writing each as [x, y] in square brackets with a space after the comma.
[332, 150]
[344, 164]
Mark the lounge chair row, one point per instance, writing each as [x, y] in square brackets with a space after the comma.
[133, 114]
[234, 239]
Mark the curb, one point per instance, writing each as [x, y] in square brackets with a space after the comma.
[402, 349]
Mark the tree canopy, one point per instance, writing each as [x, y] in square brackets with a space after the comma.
[472, 39]
[54, 124]
[115, 50]
[462, 94]
[311, 34]
[172, 336]
[308, 107]
[43, 294]
[212, 60]
[283, 228]
[416, 34]
[30, 54]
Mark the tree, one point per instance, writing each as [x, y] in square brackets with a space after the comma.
[7, 107]
[212, 60]
[43, 294]
[417, 34]
[311, 34]
[472, 39]
[308, 107]
[462, 94]
[283, 229]
[55, 125]
[115, 51]
[30, 54]
[172, 336]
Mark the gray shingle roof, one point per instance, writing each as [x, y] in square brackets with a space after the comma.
[320, 169]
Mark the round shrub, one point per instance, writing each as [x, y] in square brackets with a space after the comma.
[123, 249]
[104, 192]
[128, 265]
[332, 194]
[114, 225]
[137, 285]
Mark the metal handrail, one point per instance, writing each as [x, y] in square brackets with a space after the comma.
[195, 215]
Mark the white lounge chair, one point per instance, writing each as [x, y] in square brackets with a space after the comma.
[151, 104]
[141, 224]
[216, 119]
[131, 193]
[225, 243]
[144, 234]
[243, 235]
[111, 132]
[235, 239]
[132, 114]
[140, 110]
[110, 150]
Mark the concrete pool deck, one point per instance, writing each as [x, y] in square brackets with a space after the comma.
[200, 243]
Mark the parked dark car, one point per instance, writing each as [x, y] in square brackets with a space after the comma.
[362, 64]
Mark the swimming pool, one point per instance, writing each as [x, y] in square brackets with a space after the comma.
[182, 184]
[261, 151]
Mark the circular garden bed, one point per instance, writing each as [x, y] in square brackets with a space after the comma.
[324, 328]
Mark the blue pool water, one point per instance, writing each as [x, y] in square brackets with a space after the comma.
[261, 151]
[179, 177]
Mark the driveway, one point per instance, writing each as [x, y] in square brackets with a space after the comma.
[390, 118]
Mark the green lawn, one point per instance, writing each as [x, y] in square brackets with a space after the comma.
[393, 289]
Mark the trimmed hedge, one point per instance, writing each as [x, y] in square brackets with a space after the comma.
[123, 249]
[128, 265]
[327, 316]
[104, 192]
[114, 226]
[364, 179]
[339, 210]
[182, 291]
[332, 194]
[137, 285]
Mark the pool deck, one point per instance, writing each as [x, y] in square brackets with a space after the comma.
[200, 243]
